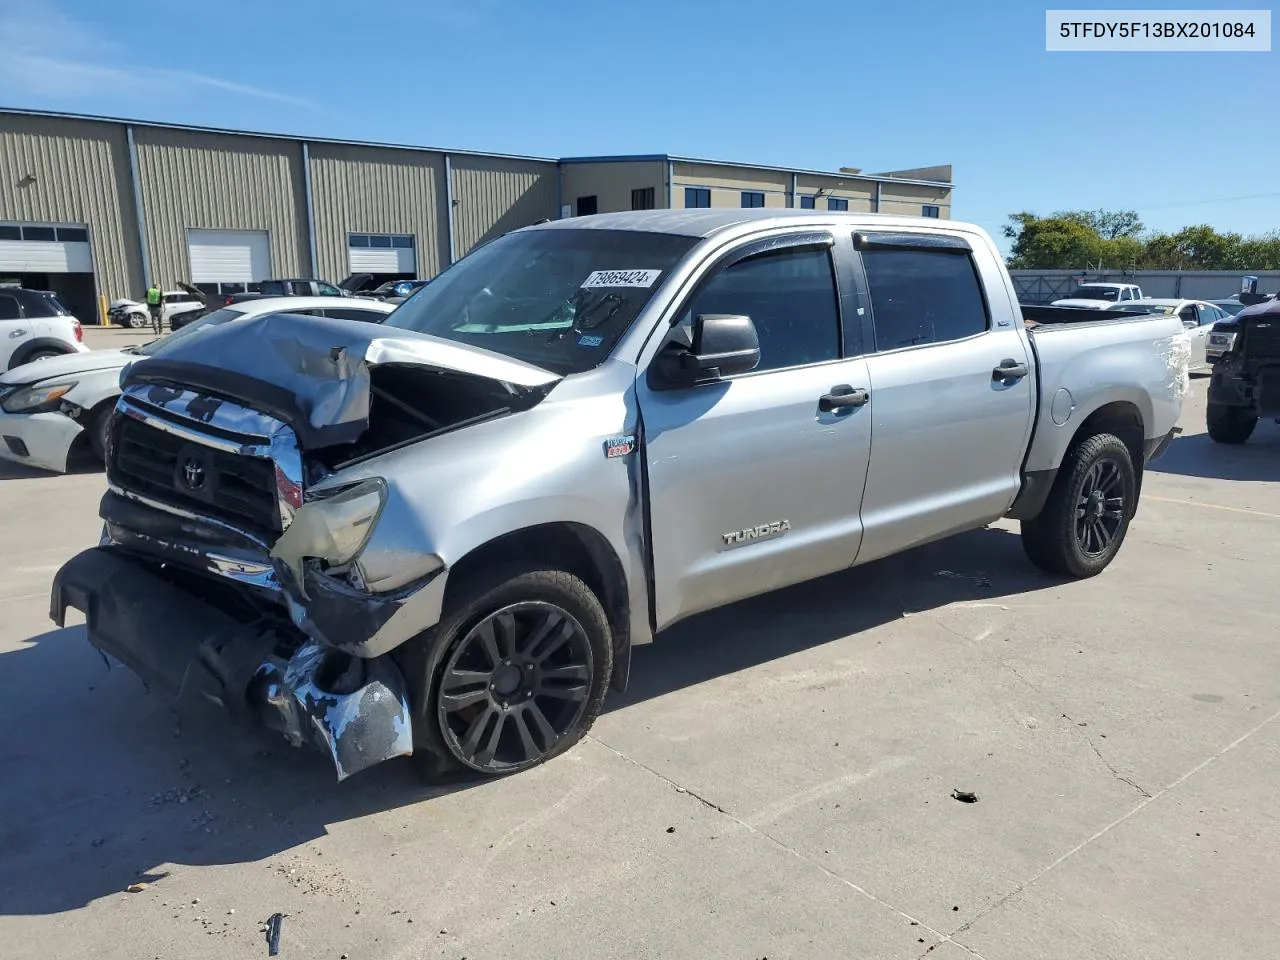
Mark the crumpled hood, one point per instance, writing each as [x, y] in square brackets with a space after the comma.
[313, 372]
[68, 365]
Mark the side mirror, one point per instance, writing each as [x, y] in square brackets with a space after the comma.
[721, 344]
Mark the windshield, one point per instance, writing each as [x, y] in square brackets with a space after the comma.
[155, 347]
[1095, 293]
[558, 299]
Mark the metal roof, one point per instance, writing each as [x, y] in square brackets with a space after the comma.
[836, 174]
[631, 158]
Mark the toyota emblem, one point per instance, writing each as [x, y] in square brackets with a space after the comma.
[193, 473]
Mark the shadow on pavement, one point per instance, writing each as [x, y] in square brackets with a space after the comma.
[1195, 455]
[105, 784]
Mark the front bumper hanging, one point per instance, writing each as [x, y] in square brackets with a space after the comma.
[357, 710]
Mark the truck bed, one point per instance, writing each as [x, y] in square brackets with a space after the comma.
[1139, 361]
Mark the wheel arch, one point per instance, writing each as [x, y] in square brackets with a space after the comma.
[573, 547]
[37, 345]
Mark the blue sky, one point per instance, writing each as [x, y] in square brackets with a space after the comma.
[819, 84]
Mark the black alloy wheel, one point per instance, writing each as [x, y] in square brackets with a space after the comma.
[516, 687]
[1100, 508]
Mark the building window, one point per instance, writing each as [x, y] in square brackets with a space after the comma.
[929, 210]
[587, 206]
[697, 197]
[752, 198]
[10, 233]
[39, 233]
[382, 241]
[358, 240]
[642, 199]
[73, 235]
[837, 203]
[806, 202]
[15, 231]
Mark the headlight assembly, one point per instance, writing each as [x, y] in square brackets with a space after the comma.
[333, 529]
[41, 398]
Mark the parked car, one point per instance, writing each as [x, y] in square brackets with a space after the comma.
[1101, 295]
[134, 314]
[1246, 376]
[50, 408]
[397, 289]
[302, 287]
[34, 325]
[1197, 316]
[448, 531]
[1231, 305]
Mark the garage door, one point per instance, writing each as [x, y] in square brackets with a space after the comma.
[44, 248]
[383, 253]
[229, 256]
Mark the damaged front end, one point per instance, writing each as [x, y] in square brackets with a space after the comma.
[235, 565]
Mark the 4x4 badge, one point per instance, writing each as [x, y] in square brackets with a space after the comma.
[619, 446]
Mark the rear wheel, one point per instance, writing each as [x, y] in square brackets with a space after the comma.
[1087, 514]
[40, 355]
[526, 656]
[137, 321]
[1229, 424]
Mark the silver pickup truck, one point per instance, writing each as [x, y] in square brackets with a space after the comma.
[442, 535]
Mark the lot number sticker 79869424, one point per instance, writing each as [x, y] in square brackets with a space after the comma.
[621, 278]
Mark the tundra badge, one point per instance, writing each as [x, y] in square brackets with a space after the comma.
[765, 530]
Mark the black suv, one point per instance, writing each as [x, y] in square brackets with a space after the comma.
[1246, 377]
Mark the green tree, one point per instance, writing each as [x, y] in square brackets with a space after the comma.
[1107, 224]
[1046, 243]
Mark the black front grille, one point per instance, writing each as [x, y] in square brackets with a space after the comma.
[1262, 339]
[233, 487]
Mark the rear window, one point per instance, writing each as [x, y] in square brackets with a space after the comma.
[1095, 293]
[923, 296]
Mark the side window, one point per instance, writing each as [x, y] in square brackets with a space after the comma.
[9, 308]
[923, 296]
[347, 313]
[272, 288]
[328, 290]
[790, 295]
[300, 288]
[1188, 314]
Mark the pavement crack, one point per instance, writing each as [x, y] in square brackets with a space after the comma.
[1138, 808]
[1105, 762]
[799, 855]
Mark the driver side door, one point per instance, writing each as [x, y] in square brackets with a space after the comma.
[754, 482]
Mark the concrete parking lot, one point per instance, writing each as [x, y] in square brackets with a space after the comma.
[776, 783]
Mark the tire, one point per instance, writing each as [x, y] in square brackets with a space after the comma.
[41, 355]
[136, 321]
[99, 429]
[1229, 424]
[486, 703]
[1086, 516]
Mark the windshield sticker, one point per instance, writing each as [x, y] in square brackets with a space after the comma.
[585, 341]
[621, 278]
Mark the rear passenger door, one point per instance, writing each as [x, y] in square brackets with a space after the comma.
[952, 386]
[14, 330]
[752, 484]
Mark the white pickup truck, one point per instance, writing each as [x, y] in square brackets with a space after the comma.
[442, 535]
[1101, 295]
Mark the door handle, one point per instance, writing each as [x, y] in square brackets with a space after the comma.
[842, 396]
[1009, 369]
[17, 333]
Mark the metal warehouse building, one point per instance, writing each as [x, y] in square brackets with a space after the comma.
[94, 207]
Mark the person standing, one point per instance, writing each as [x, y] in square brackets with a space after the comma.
[155, 306]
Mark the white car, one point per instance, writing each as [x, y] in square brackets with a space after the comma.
[1198, 317]
[1100, 296]
[132, 314]
[35, 325]
[51, 409]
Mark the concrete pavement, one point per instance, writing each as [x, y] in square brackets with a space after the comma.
[776, 783]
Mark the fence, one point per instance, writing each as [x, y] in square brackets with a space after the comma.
[1045, 286]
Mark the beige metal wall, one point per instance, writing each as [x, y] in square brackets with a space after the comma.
[220, 182]
[611, 183]
[81, 171]
[859, 193]
[375, 190]
[908, 199]
[727, 183]
[492, 195]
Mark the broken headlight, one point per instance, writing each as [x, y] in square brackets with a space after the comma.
[38, 399]
[1222, 342]
[333, 529]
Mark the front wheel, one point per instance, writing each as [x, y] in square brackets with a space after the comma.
[136, 321]
[526, 656]
[1229, 424]
[1087, 514]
